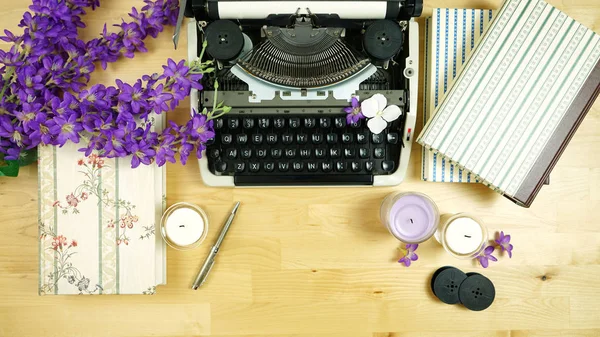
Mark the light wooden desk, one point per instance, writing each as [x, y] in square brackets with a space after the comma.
[317, 262]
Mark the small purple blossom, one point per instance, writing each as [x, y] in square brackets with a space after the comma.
[503, 241]
[354, 113]
[409, 254]
[486, 256]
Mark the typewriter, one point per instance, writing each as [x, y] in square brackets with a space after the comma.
[287, 69]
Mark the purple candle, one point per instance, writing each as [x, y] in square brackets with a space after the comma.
[411, 217]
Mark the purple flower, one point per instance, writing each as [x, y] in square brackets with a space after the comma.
[65, 127]
[10, 58]
[10, 131]
[201, 129]
[141, 153]
[503, 242]
[354, 113]
[94, 97]
[132, 38]
[409, 255]
[486, 256]
[30, 79]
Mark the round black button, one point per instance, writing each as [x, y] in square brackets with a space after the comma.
[224, 40]
[445, 284]
[477, 292]
[383, 39]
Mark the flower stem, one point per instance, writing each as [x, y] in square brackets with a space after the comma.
[6, 79]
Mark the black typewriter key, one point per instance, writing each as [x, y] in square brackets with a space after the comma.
[218, 123]
[445, 284]
[340, 122]
[279, 122]
[347, 138]
[294, 122]
[257, 139]
[341, 166]
[248, 123]
[332, 138]
[290, 153]
[312, 166]
[305, 153]
[327, 166]
[379, 153]
[246, 153]
[276, 153]
[317, 138]
[377, 138]
[226, 139]
[254, 167]
[355, 166]
[261, 153]
[349, 153]
[324, 122]
[392, 138]
[310, 122]
[320, 153]
[214, 153]
[283, 166]
[269, 167]
[335, 153]
[210, 141]
[271, 138]
[302, 138]
[298, 166]
[477, 292]
[356, 124]
[239, 167]
[369, 166]
[361, 138]
[233, 123]
[225, 40]
[263, 123]
[363, 153]
[221, 166]
[231, 153]
[242, 138]
[387, 166]
[287, 138]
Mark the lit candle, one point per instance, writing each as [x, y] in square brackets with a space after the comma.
[462, 235]
[184, 226]
[411, 217]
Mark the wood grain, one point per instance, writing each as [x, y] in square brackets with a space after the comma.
[317, 262]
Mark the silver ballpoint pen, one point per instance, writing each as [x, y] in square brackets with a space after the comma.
[210, 259]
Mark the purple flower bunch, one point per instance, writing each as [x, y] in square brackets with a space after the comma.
[408, 254]
[45, 98]
[502, 243]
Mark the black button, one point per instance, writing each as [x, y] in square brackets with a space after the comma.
[369, 166]
[246, 153]
[355, 166]
[324, 122]
[361, 138]
[387, 166]
[392, 138]
[355, 125]
[476, 292]
[294, 122]
[279, 122]
[317, 138]
[261, 153]
[242, 138]
[341, 166]
[214, 153]
[302, 138]
[271, 138]
[283, 166]
[312, 166]
[233, 123]
[254, 167]
[349, 153]
[221, 166]
[377, 138]
[231, 153]
[218, 123]
[445, 284]
[332, 138]
[347, 138]
[335, 152]
[263, 123]
[340, 122]
[276, 153]
[248, 123]
[305, 153]
[269, 167]
[379, 153]
[257, 138]
[239, 167]
[320, 153]
[298, 166]
[363, 153]
[226, 139]
[290, 153]
[309, 122]
[287, 138]
[327, 166]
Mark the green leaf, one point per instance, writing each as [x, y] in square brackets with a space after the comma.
[8, 168]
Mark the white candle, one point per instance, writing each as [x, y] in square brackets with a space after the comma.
[184, 225]
[462, 235]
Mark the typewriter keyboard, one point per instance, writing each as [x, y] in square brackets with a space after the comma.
[262, 150]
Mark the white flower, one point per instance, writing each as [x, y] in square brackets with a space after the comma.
[375, 109]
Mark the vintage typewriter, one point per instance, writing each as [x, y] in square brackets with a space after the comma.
[288, 68]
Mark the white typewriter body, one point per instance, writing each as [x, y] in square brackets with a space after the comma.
[263, 90]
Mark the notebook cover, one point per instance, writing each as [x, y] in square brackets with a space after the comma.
[520, 98]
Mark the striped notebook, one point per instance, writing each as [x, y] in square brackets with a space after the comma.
[450, 35]
[519, 99]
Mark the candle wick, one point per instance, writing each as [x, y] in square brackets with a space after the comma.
[467, 236]
[181, 226]
[411, 221]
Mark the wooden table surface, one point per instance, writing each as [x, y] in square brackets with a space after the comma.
[317, 262]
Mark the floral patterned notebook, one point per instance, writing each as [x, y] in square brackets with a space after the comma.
[97, 219]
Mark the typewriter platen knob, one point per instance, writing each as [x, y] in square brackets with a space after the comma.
[383, 39]
[224, 40]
